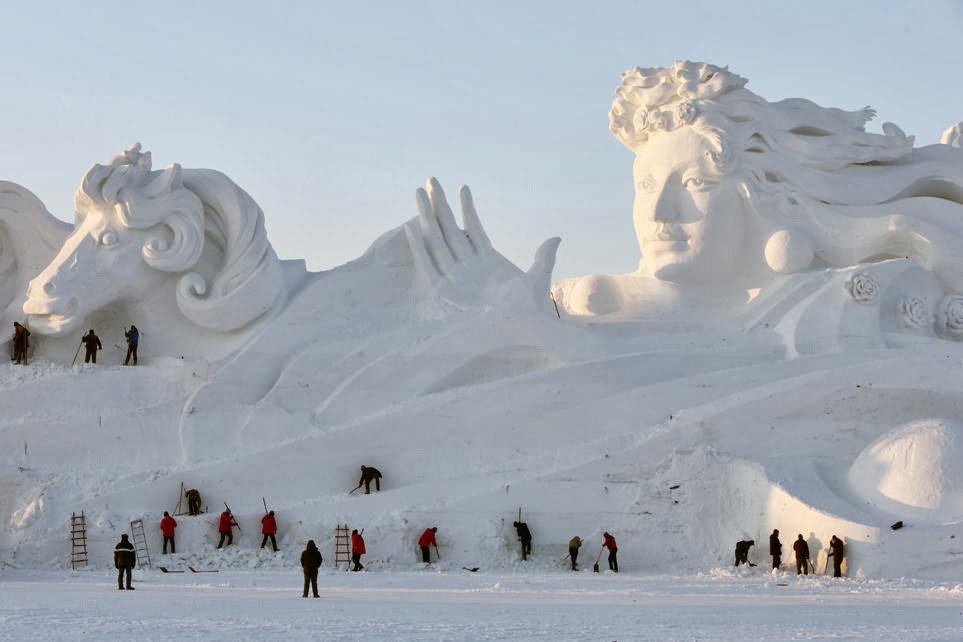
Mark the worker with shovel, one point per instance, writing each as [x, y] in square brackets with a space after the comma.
[613, 550]
[428, 539]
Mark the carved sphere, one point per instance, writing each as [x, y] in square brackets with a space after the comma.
[789, 251]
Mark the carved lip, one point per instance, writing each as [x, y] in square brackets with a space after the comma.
[667, 245]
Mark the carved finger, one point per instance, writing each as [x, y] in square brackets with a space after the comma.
[455, 238]
[473, 227]
[432, 238]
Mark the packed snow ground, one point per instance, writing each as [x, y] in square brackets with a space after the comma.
[452, 604]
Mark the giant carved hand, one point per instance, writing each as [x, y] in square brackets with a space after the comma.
[461, 265]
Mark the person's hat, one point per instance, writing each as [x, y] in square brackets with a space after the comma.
[166, 514]
[434, 528]
[123, 536]
[271, 512]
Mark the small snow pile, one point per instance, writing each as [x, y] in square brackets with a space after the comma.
[918, 465]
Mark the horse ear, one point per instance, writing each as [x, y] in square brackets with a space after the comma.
[180, 248]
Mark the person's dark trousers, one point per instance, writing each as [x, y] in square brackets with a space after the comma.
[613, 563]
[367, 485]
[131, 352]
[121, 573]
[802, 566]
[425, 555]
[526, 548]
[171, 540]
[90, 356]
[356, 558]
[837, 568]
[776, 561]
[274, 543]
[310, 579]
[228, 536]
[573, 553]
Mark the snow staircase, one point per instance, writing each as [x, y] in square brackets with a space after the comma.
[140, 542]
[78, 540]
[342, 546]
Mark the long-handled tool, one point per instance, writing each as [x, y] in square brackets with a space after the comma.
[351, 492]
[437, 555]
[596, 566]
[75, 354]
[234, 521]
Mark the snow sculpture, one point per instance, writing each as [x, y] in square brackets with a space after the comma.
[456, 262]
[191, 235]
[953, 136]
[733, 193]
[29, 237]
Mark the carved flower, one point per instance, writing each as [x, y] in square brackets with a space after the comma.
[863, 287]
[949, 318]
[685, 112]
[658, 120]
[641, 119]
[912, 311]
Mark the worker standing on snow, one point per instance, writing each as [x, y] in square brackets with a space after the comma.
[357, 549]
[801, 549]
[369, 473]
[133, 337]
[742, 552]
[775, 548]
[526, 536]
[836, 551]
[124, 559]
[91, 344]
[167, 526]
[427, 539]
[310, 563]
[224, 527]
[21, 343]
[613, 550]
[269, 527]
[573, 545]
[193, 501]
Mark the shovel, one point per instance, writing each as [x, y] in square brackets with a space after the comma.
[595, 567]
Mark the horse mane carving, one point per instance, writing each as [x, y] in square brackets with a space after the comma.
[196, 223]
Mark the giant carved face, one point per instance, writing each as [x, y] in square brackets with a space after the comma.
[690, 220]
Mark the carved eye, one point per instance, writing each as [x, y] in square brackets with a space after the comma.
[647, 184]
[108, 238]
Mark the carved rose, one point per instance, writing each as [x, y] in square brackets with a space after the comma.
[912, 311]
[685, 112]
[949, 318]
[641, 119]
[863, 287]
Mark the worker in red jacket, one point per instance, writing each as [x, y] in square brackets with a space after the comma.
[357, 549]
[269, 527]
[224, 528]
[427, 539]
[613, 549]
[167, 526]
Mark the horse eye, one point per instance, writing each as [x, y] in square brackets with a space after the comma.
[108, 238]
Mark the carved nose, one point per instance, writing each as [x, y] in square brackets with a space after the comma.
[49, 287]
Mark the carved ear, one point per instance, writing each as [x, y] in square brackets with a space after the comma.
[179, 248]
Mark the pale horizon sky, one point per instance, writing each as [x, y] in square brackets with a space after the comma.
[331, 114]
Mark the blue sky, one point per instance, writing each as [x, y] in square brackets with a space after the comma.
[331, 114]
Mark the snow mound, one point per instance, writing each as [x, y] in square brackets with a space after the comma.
[918, 466]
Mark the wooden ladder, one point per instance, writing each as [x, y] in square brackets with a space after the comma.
[342, 545]
[78, 540]
[140, 542]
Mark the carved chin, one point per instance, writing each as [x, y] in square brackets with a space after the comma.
[42, 317]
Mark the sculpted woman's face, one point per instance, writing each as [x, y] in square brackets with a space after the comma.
[691, 222]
